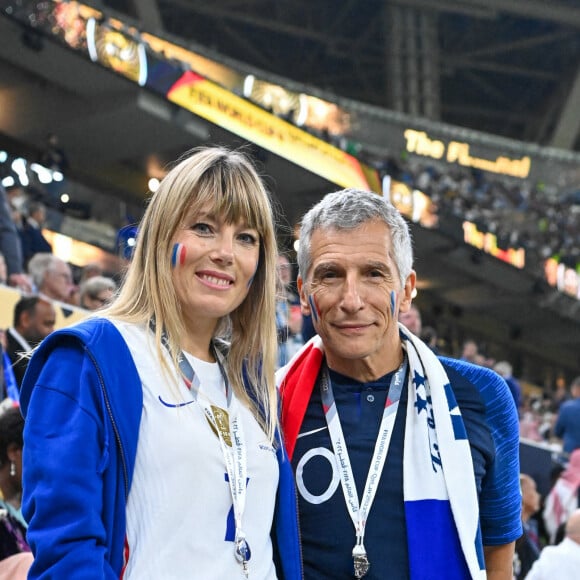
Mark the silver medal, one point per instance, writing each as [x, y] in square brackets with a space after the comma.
[361, 561]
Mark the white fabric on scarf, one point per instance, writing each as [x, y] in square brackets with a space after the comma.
[431, 437]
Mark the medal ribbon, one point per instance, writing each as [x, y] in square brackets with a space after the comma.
[231, 436]
[359, 511]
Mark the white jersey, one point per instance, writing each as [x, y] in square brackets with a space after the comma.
[180, 520]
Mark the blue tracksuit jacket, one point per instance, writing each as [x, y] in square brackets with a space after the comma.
[82, 401]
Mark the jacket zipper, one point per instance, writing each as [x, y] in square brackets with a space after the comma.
[115, 428]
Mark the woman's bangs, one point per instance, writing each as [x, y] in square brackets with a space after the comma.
[237, 200]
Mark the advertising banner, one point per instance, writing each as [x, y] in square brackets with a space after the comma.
[213, 103]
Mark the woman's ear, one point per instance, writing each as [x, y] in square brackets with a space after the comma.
[13, 451]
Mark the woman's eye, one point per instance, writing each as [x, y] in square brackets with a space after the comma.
[249, 239]
[201, 228]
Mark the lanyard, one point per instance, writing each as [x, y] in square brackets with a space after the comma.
[359, 511]
[228, 426]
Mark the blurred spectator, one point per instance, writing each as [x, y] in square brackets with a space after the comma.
[31, 236]
[17, 200]
[53, 157]
[412, 320]
[504, 369]
[547, 420]
[430, 338]
[295, 340]
[90, 270]
[51, 276]
[560, 395]
[567, 425]
[288, 314]
[9, 391]
[34, 319]
[561, 562]
[286, 278]
[528, 545]
[530, 420]
[3, 270]
[12, 524]
[10, 246]
[562, 499]
[470, 351]
[96, 292]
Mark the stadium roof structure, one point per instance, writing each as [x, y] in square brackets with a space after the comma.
[507, 67]
[501, 69]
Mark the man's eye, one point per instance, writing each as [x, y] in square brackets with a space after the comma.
[329, 275]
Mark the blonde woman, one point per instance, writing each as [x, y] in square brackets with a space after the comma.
[151, 447]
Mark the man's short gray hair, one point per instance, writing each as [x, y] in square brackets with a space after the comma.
[95, 285]
[39, 265]
[348, 209]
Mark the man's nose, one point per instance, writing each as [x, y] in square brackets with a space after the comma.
[351, 298]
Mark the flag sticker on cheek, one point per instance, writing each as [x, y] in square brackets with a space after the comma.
[178, 255]
[313, 307]
[393, 301]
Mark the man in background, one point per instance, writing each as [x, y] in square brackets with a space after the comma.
[31, 236]
[561, 562]
[10, 246]
[528, 545]
[567, 425]
[52, 277]
[34, 319]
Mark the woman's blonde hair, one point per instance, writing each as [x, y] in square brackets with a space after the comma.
[227, 182]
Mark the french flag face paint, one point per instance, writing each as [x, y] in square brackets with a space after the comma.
[178, 255]
[313, 307]
[393, 301]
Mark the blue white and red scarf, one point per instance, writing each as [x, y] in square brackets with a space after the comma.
[441, 504]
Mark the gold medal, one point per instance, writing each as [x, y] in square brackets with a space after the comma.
[222, 424]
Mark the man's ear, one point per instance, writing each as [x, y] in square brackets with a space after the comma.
[304, 304]
[407, 293]
[24, 320]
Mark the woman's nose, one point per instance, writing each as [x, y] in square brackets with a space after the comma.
[224, 249]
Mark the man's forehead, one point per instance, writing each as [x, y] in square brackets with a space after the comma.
[336, 243]
[45, 308]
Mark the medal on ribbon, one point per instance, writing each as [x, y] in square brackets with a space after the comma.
[361, 561]
[242, 551]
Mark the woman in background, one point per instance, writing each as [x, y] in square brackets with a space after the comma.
[15, 556]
